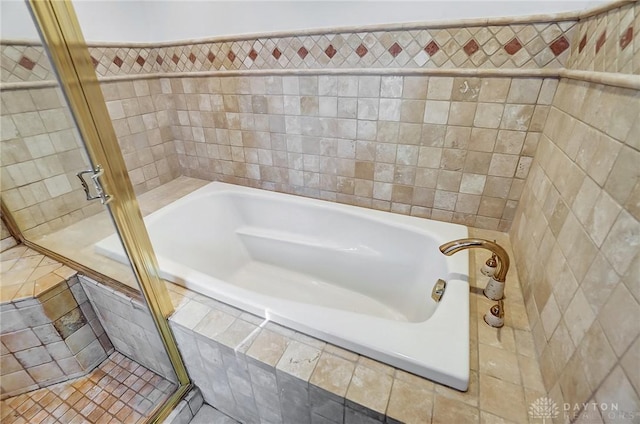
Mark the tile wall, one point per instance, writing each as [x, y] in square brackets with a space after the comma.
[129, 326]
[6, 239]
[142, 113]
[41, 152]
[453, 149]
[576, 238]
[152, 123]
[50, 337]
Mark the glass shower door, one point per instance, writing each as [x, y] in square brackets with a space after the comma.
[55, 125]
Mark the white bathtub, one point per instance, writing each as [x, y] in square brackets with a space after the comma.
[355, 277]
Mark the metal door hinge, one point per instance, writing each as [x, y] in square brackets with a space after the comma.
[95, 175]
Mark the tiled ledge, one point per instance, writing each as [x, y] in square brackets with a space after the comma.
[253, 369]
[49, 332]
[25, 273]
[605, 78]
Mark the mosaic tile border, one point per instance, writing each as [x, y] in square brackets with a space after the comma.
[517, 46]
[609, 42]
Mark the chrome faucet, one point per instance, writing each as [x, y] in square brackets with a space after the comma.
[495, 286]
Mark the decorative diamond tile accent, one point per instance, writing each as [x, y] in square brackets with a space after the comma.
[601, 40]
[95, 62]
[626, 38]
[26, 63]
[513, 46]
[432, 48]
[330, 51]
[501, 46]
[611, 31]
[361, 50]
[559, 45]
[583, 43]
[395, 49]
[471, 47]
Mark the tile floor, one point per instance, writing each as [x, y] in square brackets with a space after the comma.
[118, 391]
[209, 415]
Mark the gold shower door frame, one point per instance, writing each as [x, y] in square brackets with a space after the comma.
[57, 22]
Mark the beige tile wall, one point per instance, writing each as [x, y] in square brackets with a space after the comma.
[6, 239]
[142, 113]
[453, 149]
[576, 238]
[41, 152]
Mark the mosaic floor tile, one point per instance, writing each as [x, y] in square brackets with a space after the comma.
[118, 391]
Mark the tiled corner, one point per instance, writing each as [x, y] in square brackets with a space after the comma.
[119, 390]
[128, 325]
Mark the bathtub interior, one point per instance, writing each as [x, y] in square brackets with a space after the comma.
[356, 277]
[289, 250]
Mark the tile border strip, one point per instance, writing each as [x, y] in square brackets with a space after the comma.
[607, 78]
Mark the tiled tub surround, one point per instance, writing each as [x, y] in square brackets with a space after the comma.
[450, 153]
[50, 332]
[452, 149]
[256, 371]
[576, 239]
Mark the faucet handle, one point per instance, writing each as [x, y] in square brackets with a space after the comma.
[489, 268]
[495, 317]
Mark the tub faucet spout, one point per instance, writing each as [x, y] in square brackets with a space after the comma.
[495, 287]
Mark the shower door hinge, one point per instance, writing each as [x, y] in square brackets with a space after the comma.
[100, 194]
